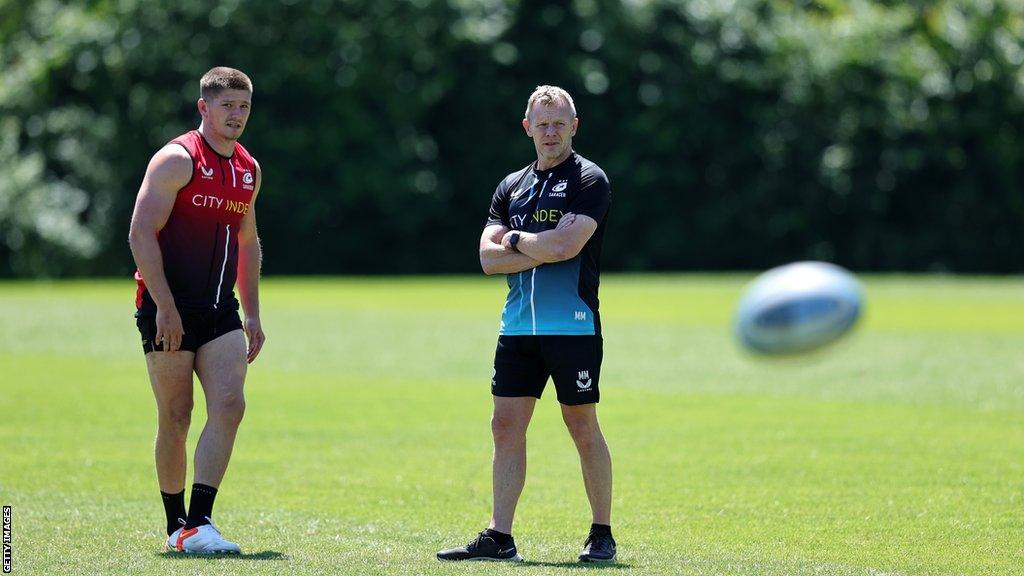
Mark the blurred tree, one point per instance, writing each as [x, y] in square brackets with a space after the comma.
[881, 135]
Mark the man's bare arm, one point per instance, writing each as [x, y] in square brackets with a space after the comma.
[498, 259]
[168, 172]
[250, 257]
[562, 243]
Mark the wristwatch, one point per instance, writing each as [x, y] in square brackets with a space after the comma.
[513, 242]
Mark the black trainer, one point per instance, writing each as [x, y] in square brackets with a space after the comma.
[598, 548]
[484, 548]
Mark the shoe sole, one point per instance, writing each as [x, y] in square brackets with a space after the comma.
[170, 550]
[598, 560]
[516, 558]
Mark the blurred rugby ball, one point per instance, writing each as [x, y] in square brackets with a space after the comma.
[797, 308]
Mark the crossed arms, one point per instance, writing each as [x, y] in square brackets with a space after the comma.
[562, 243]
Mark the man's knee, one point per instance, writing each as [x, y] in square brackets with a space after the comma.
[176, 418]
[583, 428]
[228, 408]
[507, 427]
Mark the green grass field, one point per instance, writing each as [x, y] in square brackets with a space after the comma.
[366, 443]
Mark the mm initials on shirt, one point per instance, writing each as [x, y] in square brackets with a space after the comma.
[581, 315]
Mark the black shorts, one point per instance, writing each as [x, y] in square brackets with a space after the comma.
[522, 365]
[200, 328]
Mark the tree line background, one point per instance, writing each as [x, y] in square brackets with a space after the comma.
[738, 134]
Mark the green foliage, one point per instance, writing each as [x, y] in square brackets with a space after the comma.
[737, 134]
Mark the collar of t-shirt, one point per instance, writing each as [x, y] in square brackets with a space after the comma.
[542, 174]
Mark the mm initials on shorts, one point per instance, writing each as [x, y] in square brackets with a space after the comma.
[583, 381]
[581, 315]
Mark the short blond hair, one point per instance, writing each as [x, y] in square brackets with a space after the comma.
[547, 95]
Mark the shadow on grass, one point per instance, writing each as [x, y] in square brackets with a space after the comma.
[265, 555]
[583, 565]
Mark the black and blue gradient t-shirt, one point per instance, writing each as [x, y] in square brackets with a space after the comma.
[558, 298]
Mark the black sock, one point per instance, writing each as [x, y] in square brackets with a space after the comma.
[201, 505]
[174, 507]
[596, 529]
[499, 537]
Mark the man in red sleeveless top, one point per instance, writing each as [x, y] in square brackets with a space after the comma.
[193, 234]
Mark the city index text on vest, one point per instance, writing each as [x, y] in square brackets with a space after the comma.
[220, 203]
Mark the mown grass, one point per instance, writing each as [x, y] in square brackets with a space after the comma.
[366, 448]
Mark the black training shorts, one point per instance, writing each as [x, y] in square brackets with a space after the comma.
[522, 365]
[200, 328]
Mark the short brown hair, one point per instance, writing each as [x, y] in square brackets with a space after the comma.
[223, 78]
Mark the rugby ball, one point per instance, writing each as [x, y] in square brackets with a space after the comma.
[797, 308]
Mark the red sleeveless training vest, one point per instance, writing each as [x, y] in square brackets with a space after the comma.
[199, 243]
